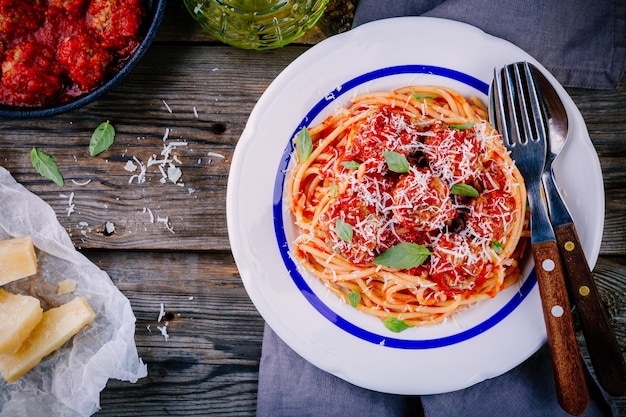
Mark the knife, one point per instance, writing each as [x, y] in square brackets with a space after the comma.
[604, 350]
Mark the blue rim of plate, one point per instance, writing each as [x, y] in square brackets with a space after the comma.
[345, 325]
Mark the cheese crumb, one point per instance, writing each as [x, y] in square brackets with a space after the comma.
[169, 109]
[66, 286]
[109, 228]
[130, 166]
[161, 313]
[163, 330]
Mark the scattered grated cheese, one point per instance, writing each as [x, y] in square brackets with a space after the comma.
[81, 183]
[147, 210]
[174, 173]
[161, 313]
[163, 330]
[109, 228]
[166, 222]
[130, 166]
[216, 155]
[167, 106]
[70, 203]
[141, 177]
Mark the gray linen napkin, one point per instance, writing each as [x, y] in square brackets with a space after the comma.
[581, 42]
[289, 386]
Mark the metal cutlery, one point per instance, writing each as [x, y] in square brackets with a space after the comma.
[515, 108]
[604, 350]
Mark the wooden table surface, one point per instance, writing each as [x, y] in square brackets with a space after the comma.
[170, 244]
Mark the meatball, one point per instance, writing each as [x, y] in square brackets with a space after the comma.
[421, 201]
[454, 154]
[19, 17]
[491, 214]
[73, 7]
[457, 263]
[385, 129]
[85, 62]
[116, 22]
[30, 75]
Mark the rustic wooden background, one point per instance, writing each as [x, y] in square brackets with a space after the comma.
[209, 365]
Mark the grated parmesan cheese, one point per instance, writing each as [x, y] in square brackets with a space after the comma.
[163, 330]
[169, 110]
[161, 313]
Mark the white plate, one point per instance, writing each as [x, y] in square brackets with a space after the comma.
[480, 342]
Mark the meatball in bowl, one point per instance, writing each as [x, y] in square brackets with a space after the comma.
[58, 55]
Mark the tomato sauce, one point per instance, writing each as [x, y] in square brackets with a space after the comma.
[54, 50]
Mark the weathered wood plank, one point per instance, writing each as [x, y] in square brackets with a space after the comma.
[220, 84]
[209, 363]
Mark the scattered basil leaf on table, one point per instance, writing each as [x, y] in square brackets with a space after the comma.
[464, 189]
[354, 297]
[102, 138]
[344, 230]
[45, 166]
[395, 325]
[396, 162]
[404, 255]
[304, 144]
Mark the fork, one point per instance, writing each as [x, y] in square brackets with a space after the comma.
[516, 109]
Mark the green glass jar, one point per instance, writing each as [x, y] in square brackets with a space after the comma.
[256, 24]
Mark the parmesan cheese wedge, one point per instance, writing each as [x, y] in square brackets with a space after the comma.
[19, 314]
[56, 327]
[17, 259]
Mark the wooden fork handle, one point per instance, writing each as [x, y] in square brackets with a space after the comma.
[569, 374]
[604, 350]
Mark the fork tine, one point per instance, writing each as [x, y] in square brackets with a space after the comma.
[497, 106]
[529, 103]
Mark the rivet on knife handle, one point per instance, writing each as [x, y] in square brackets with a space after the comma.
[569, 372]
[604, 351]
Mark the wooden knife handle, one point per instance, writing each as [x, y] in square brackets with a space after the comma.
[569, 374]
[604, 350]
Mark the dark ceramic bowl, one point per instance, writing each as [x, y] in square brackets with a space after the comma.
[156, 9]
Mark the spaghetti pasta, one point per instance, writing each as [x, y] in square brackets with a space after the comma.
[408, 205]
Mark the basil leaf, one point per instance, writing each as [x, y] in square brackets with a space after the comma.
[344, 230]
[351, 165]
[333, 191]
[423, 96]
[396, 162]
[304, 144]
[395, 325]
[45, 166]
[462, 126]
[497, 247]
[404, 255]
[354, 297]
[102, 138]
[464, 189]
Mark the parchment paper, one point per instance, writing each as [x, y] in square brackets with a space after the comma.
[69, 381]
